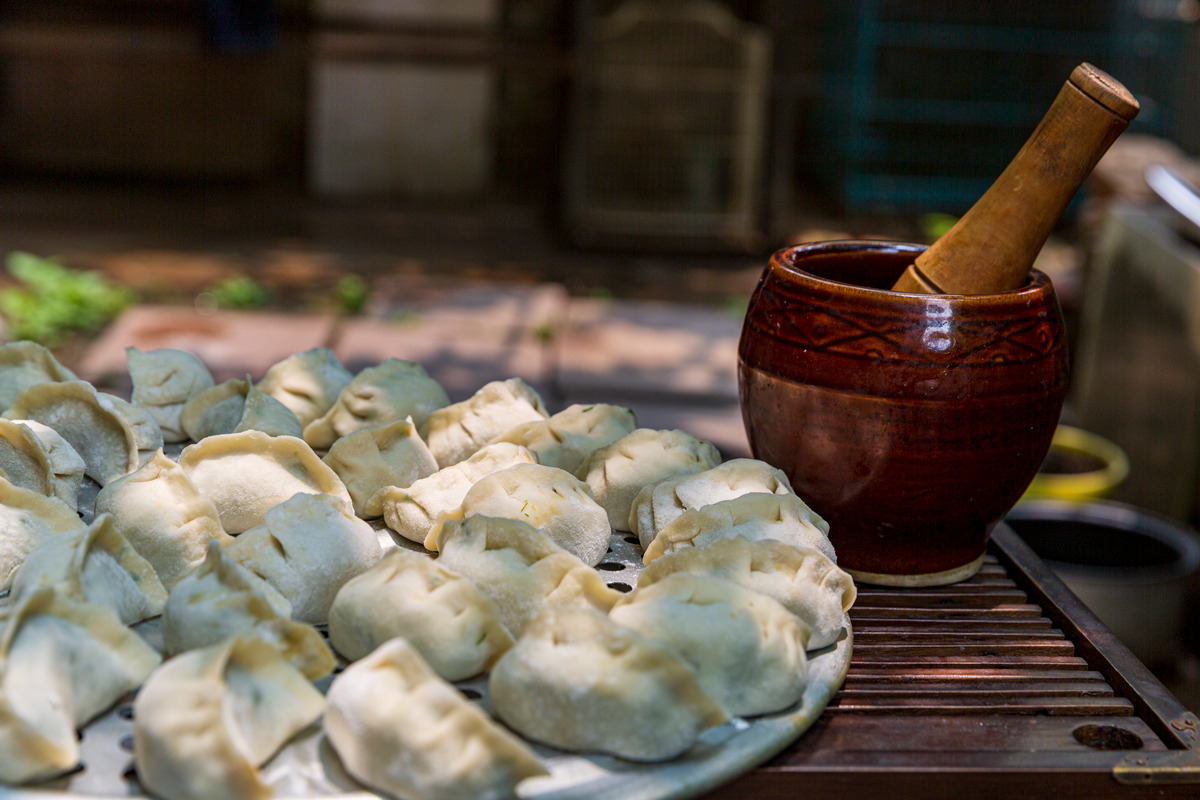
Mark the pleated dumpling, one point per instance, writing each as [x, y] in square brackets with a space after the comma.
[781, 517]
[98, 565]
[308, 383]
[206, 720]
[24, 364]
[748, 650]
[246, 474]
[164, 516]
[373, 459]
[576, 680]
[223, 599]
[805, 582]
[458, 431]
[520, 568]
[35, 457]
[400, 729]
[28, 518]
[548, 498]
[63, 662]
[617, 472]
[659, 504]
[413, 510]
[235, 406]
[568, 437]
[163, 381]
[451, 623]
[392, 390]
[307, 547]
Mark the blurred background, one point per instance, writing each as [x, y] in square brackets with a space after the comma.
[290, 153]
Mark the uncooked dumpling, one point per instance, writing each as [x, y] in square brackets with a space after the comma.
[246, 474]
[400, 729]
[451, 623]
[458, 431]
[235, 406]
[206, 720]
[373, 459]
[620, 470]
[748, 650]
[307, 547]
[37, 458]
[28, 518]
[163, 381]
[565, 439]
[308, 383]
[578, 681]
[391, 391]
[24, 364]
[164, 516]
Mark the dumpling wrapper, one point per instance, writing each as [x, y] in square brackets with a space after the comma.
[548, 498]
[24, 364]
[308, 547]
[805, 582]
[392, 390]
[520, 568]
[458, 431]
[748, 650]
[235, 406]
[308, 383]
[374, 459]
[206, 720]
[568, 437]
[620, 470]
[35, 457]
[781, 517]
[659, 504]
[222, 599]
[63, 662]
[578, 681]
[451, 623]
[164, 516]
[163, 381]
[95, 564]
[246, 474]
[413, 510]
[400, 729]
[28, 518]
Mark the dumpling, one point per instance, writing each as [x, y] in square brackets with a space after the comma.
[206, 720]
[96, 564]
[620, 470]
[385, 393]
[63, 662]
[412, 510]
[748, 650]
[659, 504]
[373, 459]
[99, 426]
[576, 680]
[548, 498]
[24, 364]
[565, 439]
[456, 432]
[450, 622]
[163, 381]
[520, 568]
[163, 516]
[235, 406]
[400, 729]
[805, 582]
[246, 474]
[308, 383]
[223, 599]
[782, 517]
[307, 547]
[37, 458]
[26, 519]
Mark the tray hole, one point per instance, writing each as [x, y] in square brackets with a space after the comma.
[130, 773]
[127, 743]
[620, 587]
[78, 768]
[610, 566]
[125, 712]
[633, 540]
[471, 694]
[1107, 737]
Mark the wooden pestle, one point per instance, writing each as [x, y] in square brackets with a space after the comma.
[992, 247]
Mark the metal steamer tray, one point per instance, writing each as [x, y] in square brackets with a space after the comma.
[307, 767]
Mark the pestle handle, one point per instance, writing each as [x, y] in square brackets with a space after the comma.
[992, 247]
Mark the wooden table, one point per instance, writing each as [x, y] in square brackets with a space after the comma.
[1004, 685]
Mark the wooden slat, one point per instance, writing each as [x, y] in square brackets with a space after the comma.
[890, 674]
[1011, 704]
[917, 599]
[984, 647]
[932, 620]
[860, 690]
[1000, 610]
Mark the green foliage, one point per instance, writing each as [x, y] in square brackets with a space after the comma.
[351, 293]
[935, 224]
[55, 302]
[240, 292]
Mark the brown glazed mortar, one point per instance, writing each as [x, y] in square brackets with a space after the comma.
[911, 422]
